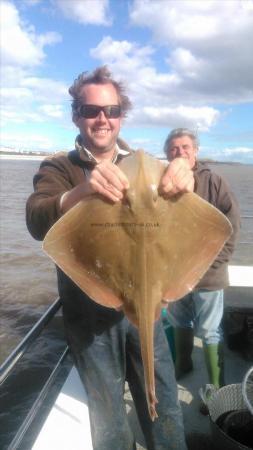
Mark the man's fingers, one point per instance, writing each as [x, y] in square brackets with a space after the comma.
[178, 177]
[189, 186]
[113, 175]
[166, 186]
[120, 175]
[100, 185]
[108, 180]
[107, 191]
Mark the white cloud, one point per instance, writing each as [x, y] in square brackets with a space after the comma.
[20, 46]
[207, 63]
[92, 12]
[209, 47]
[46, 89]
[14, 93]
[125, 55]
[196, 21]
[206, 51]
[111, 50]
[25, 98]
[27, 141]
[52, 110]
[231, 151]
[197, 118]
[32, 99]
[19, 116]
[235, 154]
[31, 114]
[150, 145]
[182, 60]
[139, 142]
[157, 97]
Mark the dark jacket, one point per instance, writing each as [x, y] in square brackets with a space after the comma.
[57, 174]
[214, 189]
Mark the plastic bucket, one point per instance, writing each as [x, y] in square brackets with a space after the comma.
[227, 399]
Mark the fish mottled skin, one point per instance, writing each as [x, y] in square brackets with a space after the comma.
[134, 253]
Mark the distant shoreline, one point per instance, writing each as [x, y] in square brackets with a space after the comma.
[30, 157]
[23, 157]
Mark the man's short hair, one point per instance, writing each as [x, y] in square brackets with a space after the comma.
[101, 75]
[180, 132]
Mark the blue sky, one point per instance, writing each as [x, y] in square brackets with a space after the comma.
[185, 63]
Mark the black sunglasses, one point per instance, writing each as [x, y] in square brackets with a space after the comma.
[92, 111]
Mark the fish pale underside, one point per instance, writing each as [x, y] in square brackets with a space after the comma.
[136, 252]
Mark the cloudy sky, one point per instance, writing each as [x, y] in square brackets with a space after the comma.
[185, 63]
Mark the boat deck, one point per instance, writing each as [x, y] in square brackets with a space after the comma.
[69, 418]
[197, 428]
[196, 425]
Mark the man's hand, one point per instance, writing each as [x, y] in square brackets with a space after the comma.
[107, 179]
[178, 177]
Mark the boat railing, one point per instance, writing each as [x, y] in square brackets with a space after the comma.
[8, 366]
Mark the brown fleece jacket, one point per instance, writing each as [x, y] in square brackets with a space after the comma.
[57, 175]
[214, 189]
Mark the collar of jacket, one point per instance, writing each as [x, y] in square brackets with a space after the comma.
[86, 156]
[89, 163]
[200, 166]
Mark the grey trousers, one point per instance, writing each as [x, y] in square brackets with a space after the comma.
[108, 355]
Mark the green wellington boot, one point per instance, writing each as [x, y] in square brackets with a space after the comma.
[183, 338]
[215, 364]
[214, 360]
